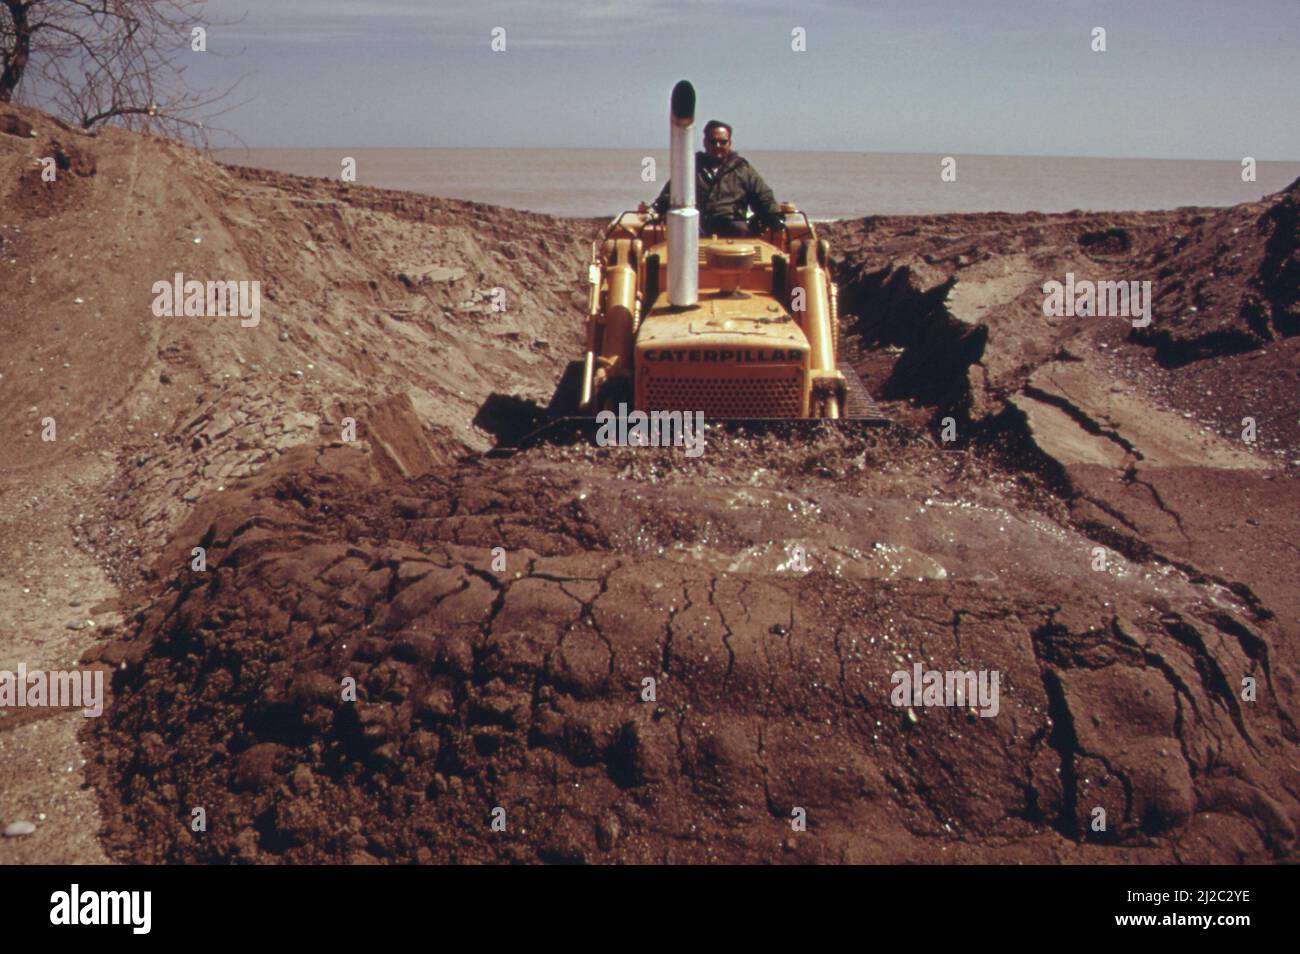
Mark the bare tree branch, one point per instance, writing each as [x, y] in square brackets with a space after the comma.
[117, 62]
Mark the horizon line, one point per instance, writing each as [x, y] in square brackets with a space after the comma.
[856, 152]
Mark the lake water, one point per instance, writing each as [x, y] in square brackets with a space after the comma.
[826, 185]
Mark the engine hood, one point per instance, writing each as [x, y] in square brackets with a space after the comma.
[755, 326]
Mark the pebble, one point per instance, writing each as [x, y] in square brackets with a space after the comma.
[19, 828]
[76, 624]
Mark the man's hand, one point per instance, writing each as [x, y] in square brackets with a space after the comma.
[642, 208]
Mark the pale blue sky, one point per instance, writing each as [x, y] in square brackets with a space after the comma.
[1181, 79]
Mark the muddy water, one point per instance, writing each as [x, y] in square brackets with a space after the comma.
[887, 526]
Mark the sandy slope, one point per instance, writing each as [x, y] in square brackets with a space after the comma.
[521, 688]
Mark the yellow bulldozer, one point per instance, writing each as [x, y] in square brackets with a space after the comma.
[736, 328]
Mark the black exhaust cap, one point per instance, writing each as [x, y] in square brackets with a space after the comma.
[683, 101]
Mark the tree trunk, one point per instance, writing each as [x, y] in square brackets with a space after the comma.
[16, 61]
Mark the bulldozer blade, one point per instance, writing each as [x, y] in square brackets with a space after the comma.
[860, 410]
[572, 430]
[858, 403]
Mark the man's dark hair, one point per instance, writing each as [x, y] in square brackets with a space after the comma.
[713, 124]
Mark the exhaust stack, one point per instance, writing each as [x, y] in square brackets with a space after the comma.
[683, 217]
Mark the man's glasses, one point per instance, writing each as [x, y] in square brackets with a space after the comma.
[718, 142]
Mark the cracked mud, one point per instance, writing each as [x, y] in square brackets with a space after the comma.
[523, 687]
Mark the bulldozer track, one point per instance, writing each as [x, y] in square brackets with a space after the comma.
[858, 403]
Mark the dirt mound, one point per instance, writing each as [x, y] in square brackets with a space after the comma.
[365, 295]
[951, 311]
[1229, 283]
[522, 686]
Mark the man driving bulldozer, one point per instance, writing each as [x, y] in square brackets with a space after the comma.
[725, 185]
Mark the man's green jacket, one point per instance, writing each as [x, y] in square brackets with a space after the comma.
[722, 193]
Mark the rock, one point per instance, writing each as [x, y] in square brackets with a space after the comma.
[607, 833]
[420, 275]
[222, 423]
[437, 703]
[19, 828]
[74, 158]
[443, 274]
[13, 126]
[302, 780]
[255, 768]
[246, 844]
[76, 624]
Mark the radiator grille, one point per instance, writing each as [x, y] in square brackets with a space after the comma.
[726, 397]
